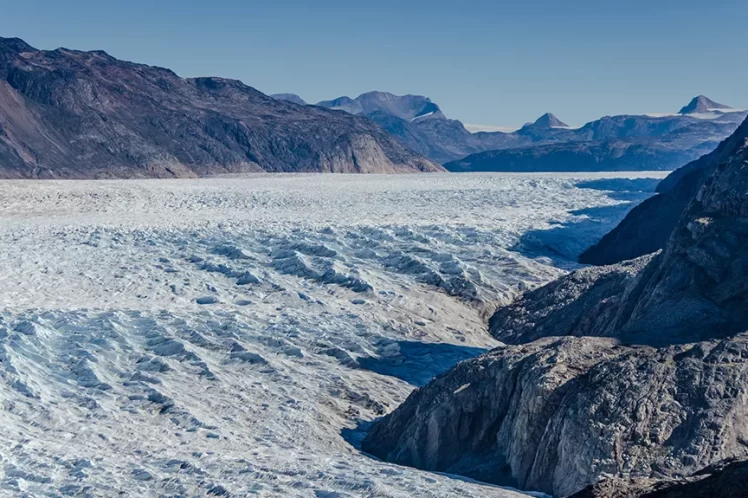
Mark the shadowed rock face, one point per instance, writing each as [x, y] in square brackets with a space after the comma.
[71, 114]
[586, 302]
[648, 226]
[727, 479]
[633, 370]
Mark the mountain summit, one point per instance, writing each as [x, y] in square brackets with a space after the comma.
[702, 104]
[548, 121]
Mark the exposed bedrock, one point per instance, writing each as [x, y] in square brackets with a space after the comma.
[557, 414]
[72, 114]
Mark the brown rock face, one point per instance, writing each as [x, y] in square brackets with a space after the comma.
[636, 370]
[71, 114]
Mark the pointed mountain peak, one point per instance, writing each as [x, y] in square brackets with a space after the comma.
[702, 104]
[548, 120]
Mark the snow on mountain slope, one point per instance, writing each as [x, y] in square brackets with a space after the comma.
[231, 336]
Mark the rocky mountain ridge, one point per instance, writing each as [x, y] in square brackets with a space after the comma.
[619, 143]
[72, 114]
[636, 370]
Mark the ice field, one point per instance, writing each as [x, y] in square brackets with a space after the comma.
[234, 336]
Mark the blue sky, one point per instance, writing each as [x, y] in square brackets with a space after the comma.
[485, 62]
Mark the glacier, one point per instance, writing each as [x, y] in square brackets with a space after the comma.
[235, 336]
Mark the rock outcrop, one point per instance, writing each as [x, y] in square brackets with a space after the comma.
[636, 370]
[71, 114]
[728, 479]
[557, 414]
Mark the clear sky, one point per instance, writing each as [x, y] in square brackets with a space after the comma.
[484, 62]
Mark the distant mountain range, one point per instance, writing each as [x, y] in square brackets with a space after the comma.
[72, 114]
[626, 142]
[419, 124]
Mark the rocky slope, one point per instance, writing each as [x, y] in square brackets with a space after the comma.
[72, 114]
[727, 479]
[634, 370]
[648, 226]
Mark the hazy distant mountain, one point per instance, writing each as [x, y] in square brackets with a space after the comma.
[611, 143]
[289, 97]
[66, 113]
[703, 104]
[547, 121]
[409, 107]
[420, 124]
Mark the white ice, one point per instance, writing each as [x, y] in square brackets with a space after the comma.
[235, 336]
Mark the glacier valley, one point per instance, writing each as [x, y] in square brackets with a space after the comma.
[235, 336]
